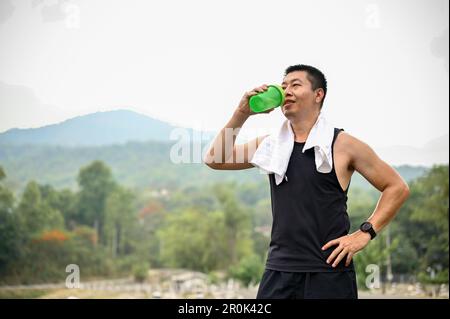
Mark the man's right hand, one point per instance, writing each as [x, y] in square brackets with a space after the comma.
[232, 156]
[244, 107]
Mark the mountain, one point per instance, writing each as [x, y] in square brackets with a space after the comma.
[96, 129]
[138, 165]
[122, 126]
[139, 149]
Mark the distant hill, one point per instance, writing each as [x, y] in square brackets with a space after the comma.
[137, 148]
[136, 164]
[122, 126]
[96, 129]
[435, 151]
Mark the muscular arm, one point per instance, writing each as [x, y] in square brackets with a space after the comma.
[394, 190]
[224, 154]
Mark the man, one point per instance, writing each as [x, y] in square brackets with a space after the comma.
[310, 254]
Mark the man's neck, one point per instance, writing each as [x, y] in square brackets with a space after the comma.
[303, 123]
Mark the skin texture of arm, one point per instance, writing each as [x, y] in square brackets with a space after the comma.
[231, 156]
[223, 153]
[394, 192]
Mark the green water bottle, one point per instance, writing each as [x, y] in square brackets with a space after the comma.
[273, 97]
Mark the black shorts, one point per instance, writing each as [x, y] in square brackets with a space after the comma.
[307, 285]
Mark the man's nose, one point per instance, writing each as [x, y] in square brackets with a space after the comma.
[287, 92]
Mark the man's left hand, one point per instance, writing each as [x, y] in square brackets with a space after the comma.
[347, 245]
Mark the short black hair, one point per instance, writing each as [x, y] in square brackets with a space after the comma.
[314, 75]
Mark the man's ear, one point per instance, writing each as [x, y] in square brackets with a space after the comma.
[319, 95]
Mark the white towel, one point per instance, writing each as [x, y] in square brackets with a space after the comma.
[273, 154]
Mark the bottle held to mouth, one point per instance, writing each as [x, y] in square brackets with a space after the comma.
[273, 97]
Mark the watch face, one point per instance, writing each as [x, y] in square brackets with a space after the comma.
[366, 226]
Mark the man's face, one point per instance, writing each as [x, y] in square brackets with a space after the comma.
[299, 93]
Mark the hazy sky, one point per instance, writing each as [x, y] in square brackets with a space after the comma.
[190, 62]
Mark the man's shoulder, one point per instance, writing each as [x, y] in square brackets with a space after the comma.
[350, 144]
[347, 139]
[343, 139]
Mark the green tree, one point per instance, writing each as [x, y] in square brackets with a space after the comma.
[35, 214]
[194, 240]
[64, 201]
[424, 225]
[10, 236]
[237, 223]
[249, 270]
[120, 221]
[96, 183]
[35, 222]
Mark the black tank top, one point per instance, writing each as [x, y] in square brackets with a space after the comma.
[309, 209]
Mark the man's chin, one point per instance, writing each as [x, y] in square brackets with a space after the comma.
[288, 113]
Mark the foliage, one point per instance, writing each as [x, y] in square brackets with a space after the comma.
[111, 230]
[194, 240]
[249, 270]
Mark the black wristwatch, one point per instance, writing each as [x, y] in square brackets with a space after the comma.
[367, 227]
